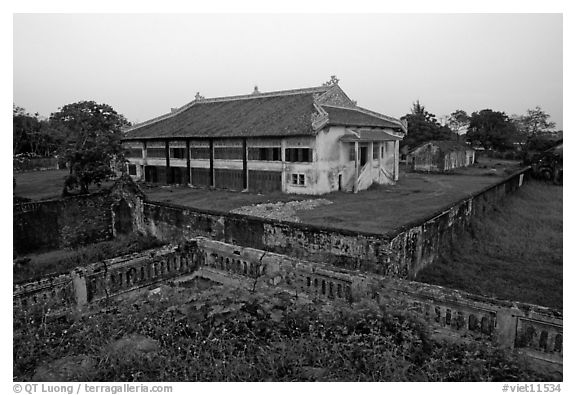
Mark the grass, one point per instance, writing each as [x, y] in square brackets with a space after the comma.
[49, 263]
[514, 252]
[379, 209]
[43, 185]
[224, 334]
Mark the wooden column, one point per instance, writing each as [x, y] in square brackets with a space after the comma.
[144, 159]
[167, 150]
[380, 144]
[245, 163]
[188, 178]
[396, 158]
[356, 168]
[212, 176]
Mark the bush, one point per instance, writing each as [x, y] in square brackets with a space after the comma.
[224, 334]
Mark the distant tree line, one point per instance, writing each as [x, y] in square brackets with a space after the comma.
[487, 129]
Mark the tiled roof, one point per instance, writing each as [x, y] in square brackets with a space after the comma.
[368, 135]
[445, 145]
[357, 117]
[284, 113]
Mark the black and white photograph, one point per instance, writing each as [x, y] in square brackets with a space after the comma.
[287, 197]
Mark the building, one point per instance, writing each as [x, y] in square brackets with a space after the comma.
[440, 156]
[305, 141]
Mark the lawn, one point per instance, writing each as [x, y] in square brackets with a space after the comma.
[43, 185]
[378, 210]
[514, 253]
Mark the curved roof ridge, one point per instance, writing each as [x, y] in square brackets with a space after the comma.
[228, 98]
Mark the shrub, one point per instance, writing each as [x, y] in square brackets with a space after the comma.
[224, 334]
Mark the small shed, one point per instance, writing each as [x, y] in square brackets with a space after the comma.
[440, 156]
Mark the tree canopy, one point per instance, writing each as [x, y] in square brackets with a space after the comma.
[423, 126]
[459, 121]
[31, 135]
[93, 133]
[492, 130]
[534, 122]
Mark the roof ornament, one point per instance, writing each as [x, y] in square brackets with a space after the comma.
[256, 91]
[199, 96]
[333, 81]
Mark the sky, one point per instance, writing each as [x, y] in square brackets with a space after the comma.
[145, 64]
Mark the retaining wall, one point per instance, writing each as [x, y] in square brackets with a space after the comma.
[61, 223]
[401, 253]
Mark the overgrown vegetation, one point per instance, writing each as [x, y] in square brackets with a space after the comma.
[36, 266]
[514, 252]
[225, 334]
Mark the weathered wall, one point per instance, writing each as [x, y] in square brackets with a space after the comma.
[61, 223]
[534, 330]
[79, 220]
[109, 278]
[401, 253]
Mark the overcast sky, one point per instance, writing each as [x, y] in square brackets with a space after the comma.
[142, 65]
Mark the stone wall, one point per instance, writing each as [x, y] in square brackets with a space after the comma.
[78, 220]
[109, 278]
[401, 253]
[62, 223]
[532, 330]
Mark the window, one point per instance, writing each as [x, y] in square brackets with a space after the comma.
[178, 153]
[375, 151]
[352, 151]
[298, 154]
[155, 153]
[228, 153]
[298, 179]
[200, 153]
[267, 153]
[132, 170]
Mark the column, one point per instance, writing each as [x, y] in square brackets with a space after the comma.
[188, 178]
[396, 158]
[245, 162]
[167, 151]
[356, 169]
[212, 177]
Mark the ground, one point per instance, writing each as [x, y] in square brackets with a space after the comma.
[513, 253]
[380, 209]
[43, 185]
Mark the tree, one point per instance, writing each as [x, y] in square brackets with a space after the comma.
[93, 133]
[423, 126]
[31, 135]
[492, 130]
[459, 121]
[535, 122]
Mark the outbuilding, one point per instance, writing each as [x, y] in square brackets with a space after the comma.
[440, 156]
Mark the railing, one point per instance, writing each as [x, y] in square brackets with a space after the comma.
[536, 331]
[109, 278]
[365, 177]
